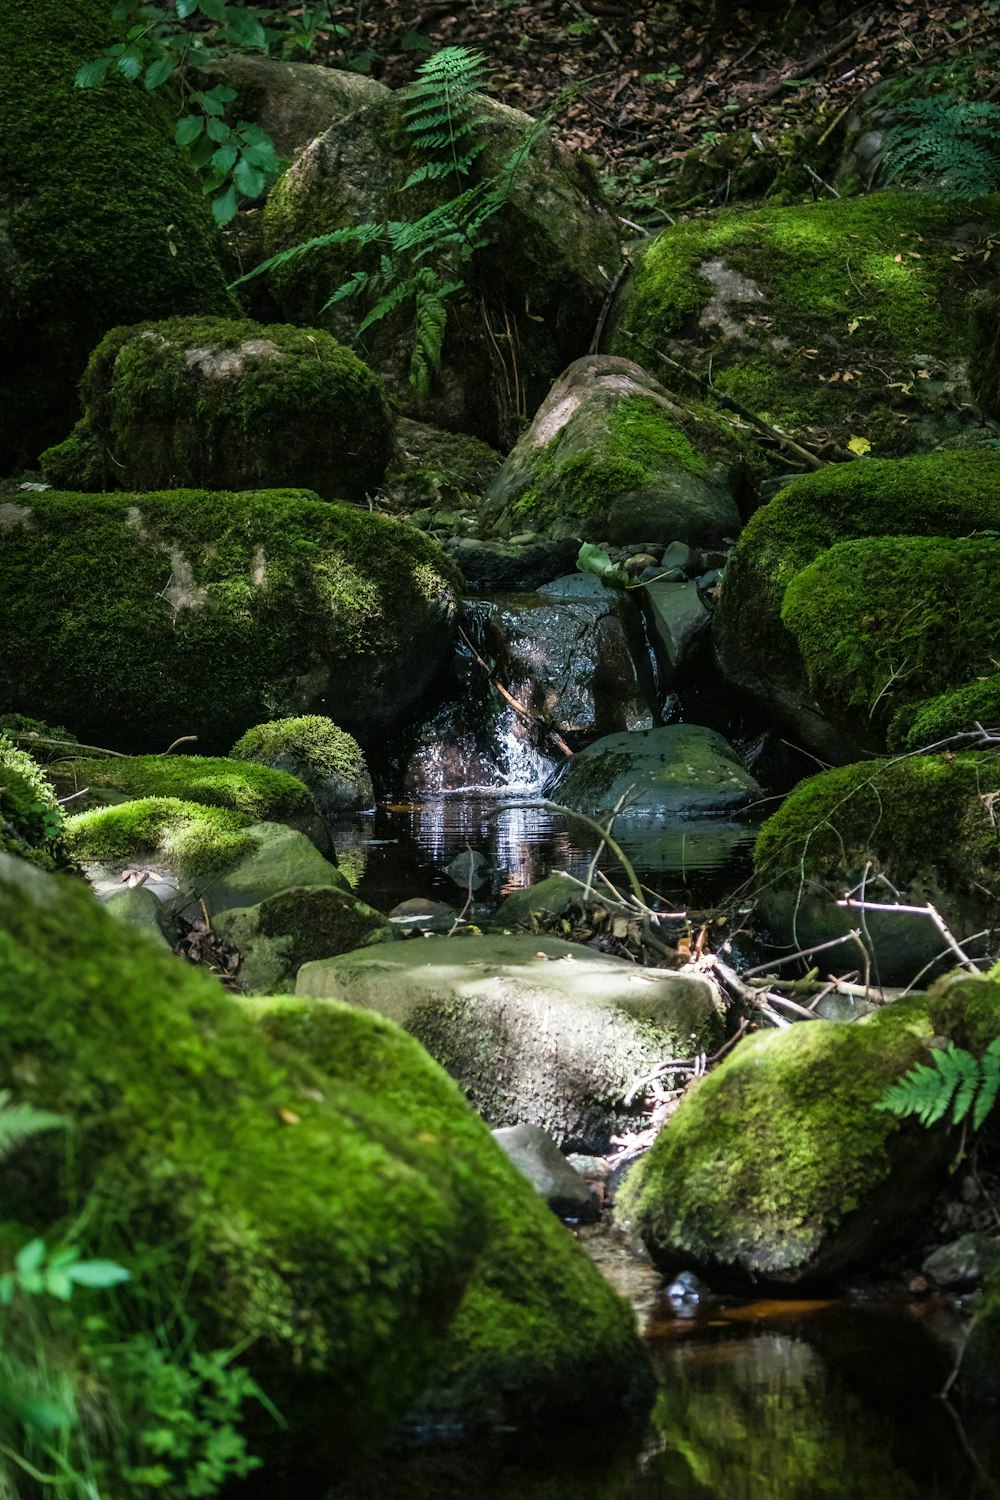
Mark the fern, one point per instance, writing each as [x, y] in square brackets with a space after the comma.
[441, 115]
[947, 144]
[20, 1122]
[952, 1086]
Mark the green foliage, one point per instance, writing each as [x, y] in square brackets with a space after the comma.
[954, 1085]
[31, 820]
[944, 143]
[593, 559]
[422, 262]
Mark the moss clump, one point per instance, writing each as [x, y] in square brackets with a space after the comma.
[431, 467]
[283, 932]
[227, 404]
[31, 820]
[287, 1217]
[940, 494]
[882, 263]
[777, 1166]
[953, 713]
[539, 1333]
[255, 790]
[22, 729]
[192, 839]
[907, 817]
[883, 623]
[112, 230]
[328, 760]
[141, 617]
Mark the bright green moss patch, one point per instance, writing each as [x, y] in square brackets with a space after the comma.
[786, 346]
[192, 839]
[777, 1166]
[908, 816]
[885, 622]
[225, 404]
[31, 820]
[294, 1219]
[328, 759]
[243, 786]
[539, 1332]
[139, 618]
[110, 229]
[952, 713]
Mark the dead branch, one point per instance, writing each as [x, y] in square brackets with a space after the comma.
[900, 908]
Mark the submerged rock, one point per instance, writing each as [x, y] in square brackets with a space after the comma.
[220, 403]
[611, 456]
[534, 1029]
[142, 617]
[777, 1169]
[539, 1336]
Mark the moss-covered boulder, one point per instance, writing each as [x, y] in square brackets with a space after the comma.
[289, 1217]
[836, 319]
[221, 403]
[674, 795]
[214, 853]
[926, 822]
[437, 470]
[885, 623]
[778, 1169]
[935, 495]
[110, 229]
[31, 820]
[610, 456]
[139, 618]
[956, 712]
[539, 1335]
[537, 288]
[297, 926]
[327, 759]
[534, 1029]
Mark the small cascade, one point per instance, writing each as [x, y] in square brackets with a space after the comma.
[524, 767]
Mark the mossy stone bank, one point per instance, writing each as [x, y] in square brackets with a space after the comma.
[140, 618]
[103, 221]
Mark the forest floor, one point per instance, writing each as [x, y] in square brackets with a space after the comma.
[651, 82]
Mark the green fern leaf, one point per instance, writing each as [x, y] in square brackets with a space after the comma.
[20, 1122]
[990, 1086]
[969, 1077]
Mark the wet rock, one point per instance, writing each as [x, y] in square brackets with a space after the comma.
[418, 914]
[293, 101]
[535, 1030]
[491, 567]
[677, 620]
[611, 456]
[432, 468]
[551, 897]
[537, 1157]
[680, 555]
[140, 909]
[965, 1263]
[471, 869]
[278, 935]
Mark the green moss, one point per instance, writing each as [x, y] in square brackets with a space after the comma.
[22, 729]
[192, 839]
[288, 1217]
[229, 404]
[245, 787]
[31, 820]
[883, 262]
[111, 230]
[431, 466]
[938, 494]
[772, 1154]
[906, 816]
[984, 363]
[883, 623]
[539, 1332]
[953, 713]
[315, 746]
[142, 617]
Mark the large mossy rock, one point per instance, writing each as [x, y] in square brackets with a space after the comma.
[833, 320]
[936, 495]
[139, 618]
[537, 288]
[324, 757]
[539, 1335]
[297, 926]
[925, 822]
[300, 1221]
[611, 456]
[227, 404]
[777, 1169]
[673, 794]
[535, 1030]
[103, 222]
[884, 624]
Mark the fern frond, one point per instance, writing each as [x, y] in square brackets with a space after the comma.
[388, 304]
[990, 1085]
[953, 1085]
[430, 321]
[20, 1122]
[356, 234]
[945, 143]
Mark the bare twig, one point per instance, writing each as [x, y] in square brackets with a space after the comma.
[900, 908]
[802, 953]
[185, 739]
[72, 747]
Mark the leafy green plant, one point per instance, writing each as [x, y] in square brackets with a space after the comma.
[954, 1085]
[945, 143]
[423, 262]
[174, 44]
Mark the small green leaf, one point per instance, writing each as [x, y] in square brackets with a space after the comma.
[244, 31]
[189, 128]
[98, 1273]
[209, 103]
[30, 1256]
[215, 10]
[58, 1284]
[130, 63]
[158, 72]
[218, 130]
[249, 181]
[186, 8]
[224, 208]
[92, 73]
[224, 159]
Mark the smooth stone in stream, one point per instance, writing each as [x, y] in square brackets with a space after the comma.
[537, 1157]
[535, 1030]
[677, 619]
